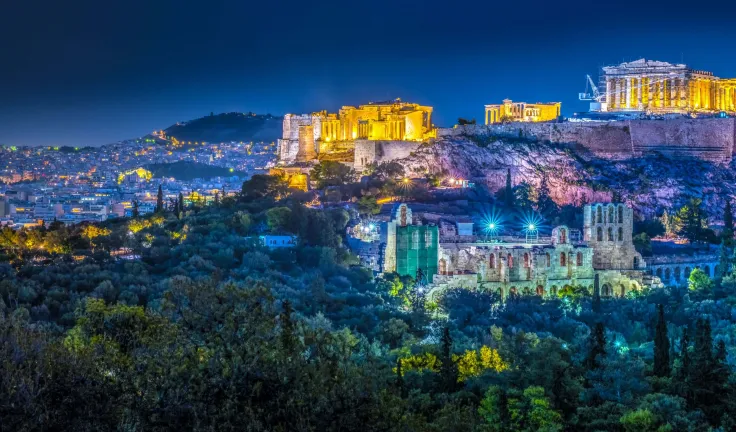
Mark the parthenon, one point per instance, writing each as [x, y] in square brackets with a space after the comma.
[647, 85]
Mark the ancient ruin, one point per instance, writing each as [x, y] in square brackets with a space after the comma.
[661, 87]
[510, 111]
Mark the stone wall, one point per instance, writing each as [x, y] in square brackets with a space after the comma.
[709, 139]
[381, 151]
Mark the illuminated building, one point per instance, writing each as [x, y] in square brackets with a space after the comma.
[382, 121]
[510, 111]
[648, 85]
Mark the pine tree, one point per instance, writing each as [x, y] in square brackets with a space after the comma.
[597, 343]
[724, 261]
[509, 192]
[661, 346]
[596, 294]
[181, 203]
[177, 211]
[448, 368]
[160, 200]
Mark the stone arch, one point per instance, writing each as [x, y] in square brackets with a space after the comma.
[610, 214]
[623, 290]
[610, 234]
[579, 260]
[659, 273]
[599, 215]
[620, 213]
[500, 292]
[606, 290]
[677, 273]
[492, 260]
[667, 275]
[510, 261]
[513, 291]
[620, 234]
[706, 270]
[442, 266]
[688, 270]
[716, 268]
[553, 290]
[563, 259]
[526, 291]
[540, 290]
[599, 234]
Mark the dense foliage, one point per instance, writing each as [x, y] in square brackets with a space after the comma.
[187, 322]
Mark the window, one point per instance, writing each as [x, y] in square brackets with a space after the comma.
[510, 261]
[415, 240]
[563, 235]
[599, 216]
[526, 260]
[620, 234]
[549, 260]
[563, 259]
[492, 261]
[428, 237]
[599, 234]
[579, 259]
[620, 213]
[610, 214]
[610, 234]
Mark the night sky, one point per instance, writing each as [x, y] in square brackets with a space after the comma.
[93, 72]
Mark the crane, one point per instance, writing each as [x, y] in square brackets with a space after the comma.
[594, 94]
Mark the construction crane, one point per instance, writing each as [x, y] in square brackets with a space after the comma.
[591, 91]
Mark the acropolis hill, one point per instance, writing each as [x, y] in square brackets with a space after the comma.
[694, 112]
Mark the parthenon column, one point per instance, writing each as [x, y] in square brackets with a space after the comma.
[661, 94]
[618, 93]
[673, 92]
[609, 99]
[627, 83]
[683, 95]
[639, 87]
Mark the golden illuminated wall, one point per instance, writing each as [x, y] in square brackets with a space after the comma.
[522, 112]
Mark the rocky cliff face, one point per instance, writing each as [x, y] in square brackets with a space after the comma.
[649, 183]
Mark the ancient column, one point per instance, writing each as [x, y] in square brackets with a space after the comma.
[660, 97]
[627, 83]
[683, 96]
[673, 93]
[609, 99]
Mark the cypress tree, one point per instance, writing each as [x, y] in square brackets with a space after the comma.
[597, 343]
[135, 212]
[181, 203]
[661, 346]
[596, 294]
[448, 368]
[217, 198]
[684, 356]
[159, 200]
[728, 221]
[509, 192]
[400, 379]
[288, 339]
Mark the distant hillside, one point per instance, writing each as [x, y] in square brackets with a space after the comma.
[190, 170]
[228, 127]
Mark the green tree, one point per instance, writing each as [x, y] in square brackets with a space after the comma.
[661, 346]
[135, 212]
[641, 420]
[332, 173]
[727, 233]
[159, 200]
[508, 192]
[278, 218]
[690, 220]
[494, 409]
[699, 281]
[545, 205]
[368, 205]
[448, 368]
[597, 347]
[532, 412]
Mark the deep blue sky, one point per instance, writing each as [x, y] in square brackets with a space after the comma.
[90, 72]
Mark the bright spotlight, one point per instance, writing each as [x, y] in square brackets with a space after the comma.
[492, 226]
[406, 180]
[531, 227]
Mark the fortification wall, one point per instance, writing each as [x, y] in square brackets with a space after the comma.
[709, 139]
[367, 151]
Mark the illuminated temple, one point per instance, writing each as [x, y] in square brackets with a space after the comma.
[307, 135]
[647, 85]
[510, 111]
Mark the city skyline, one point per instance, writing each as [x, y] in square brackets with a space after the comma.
[95, 74]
